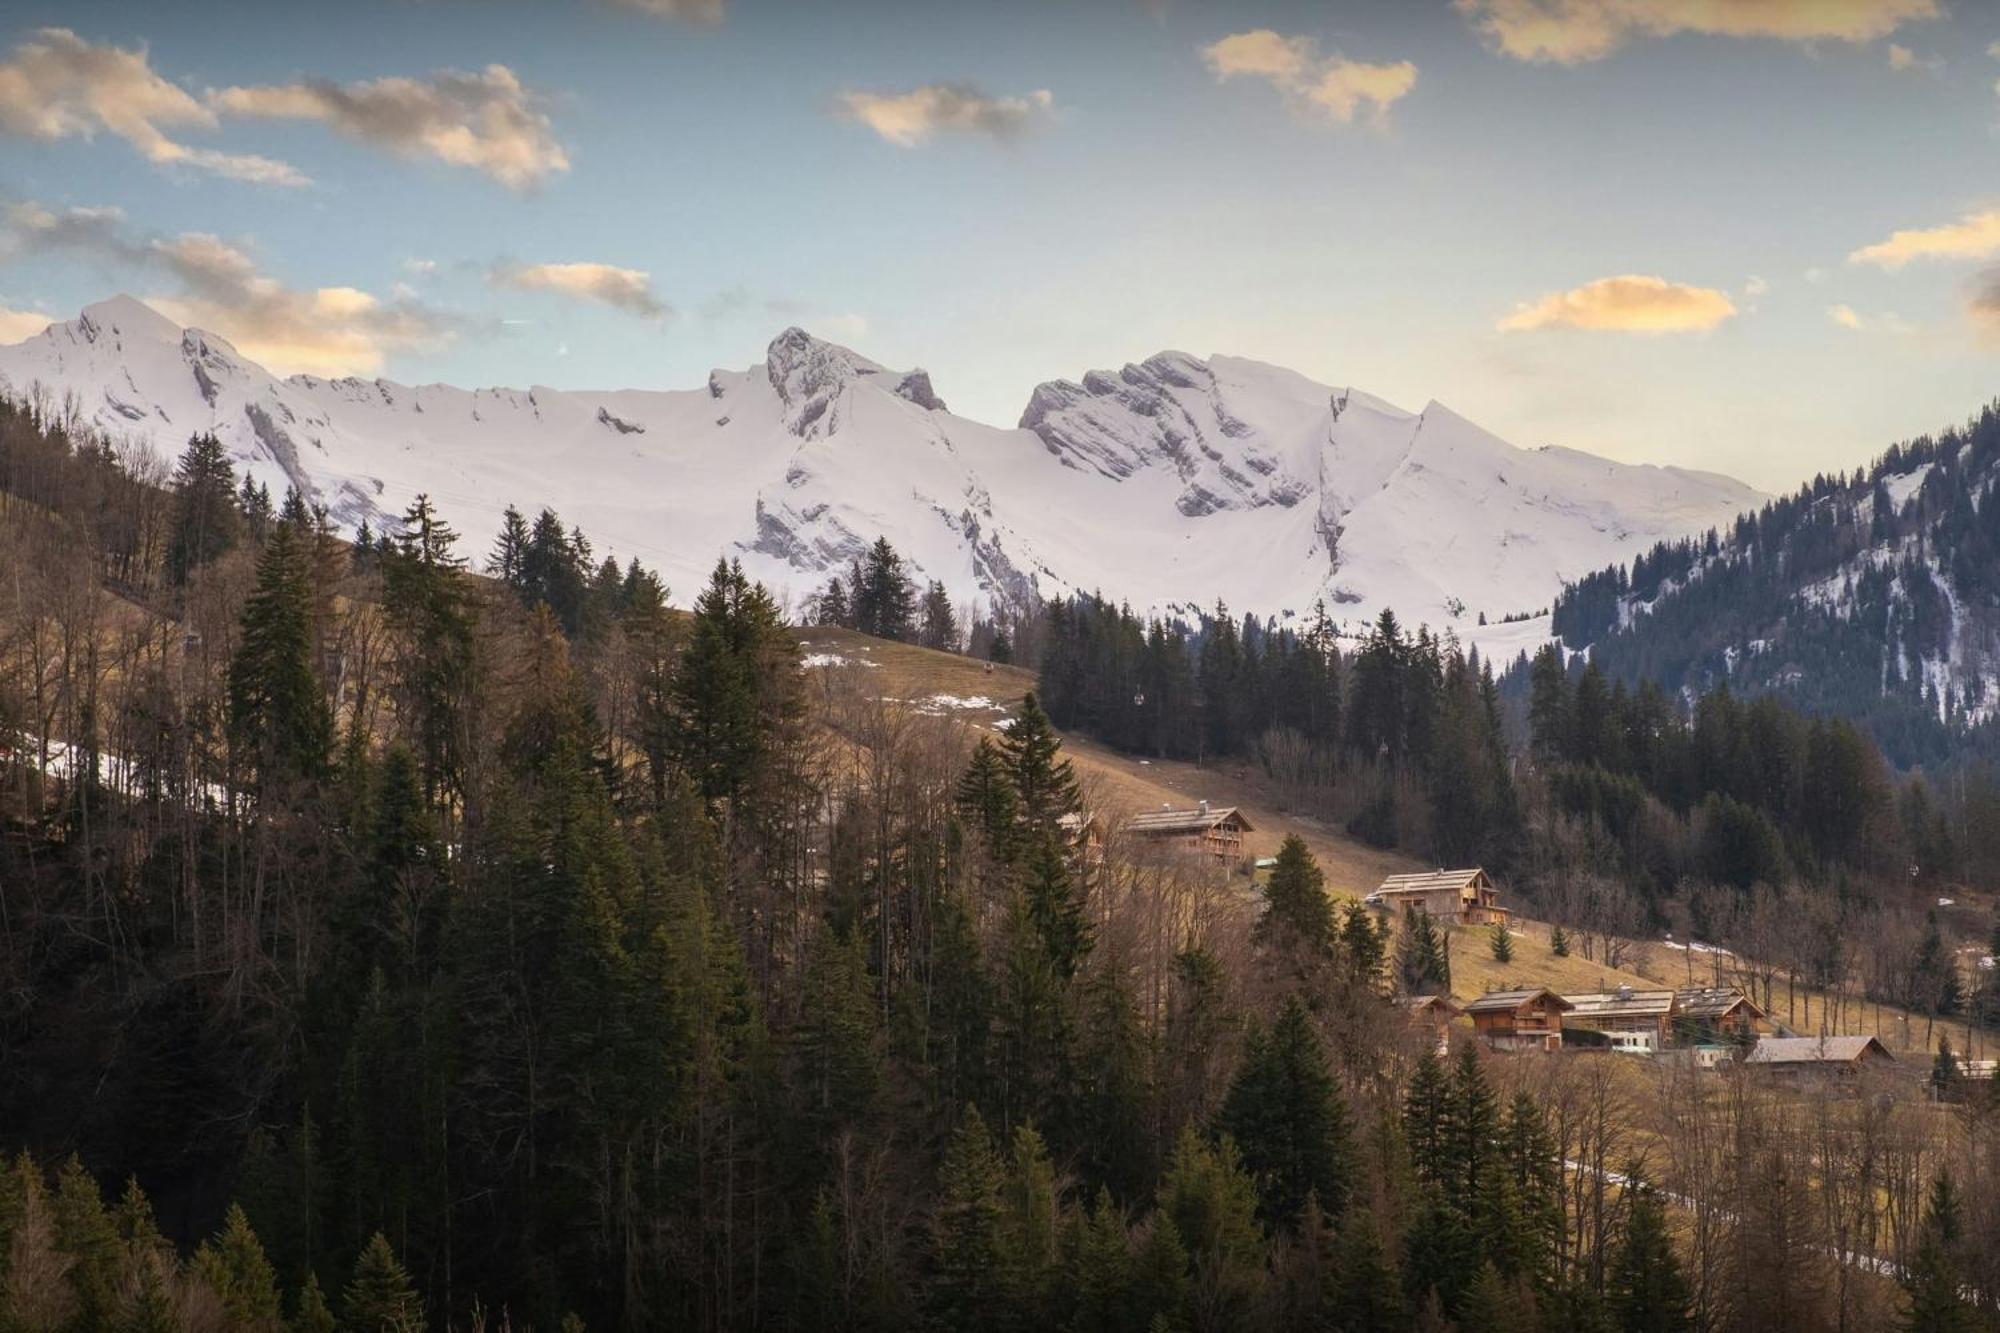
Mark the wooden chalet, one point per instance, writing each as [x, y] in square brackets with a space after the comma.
[1086, 833]
[1529, 1019]
[1637, 1022]
[1464, 897]
[1720, 1011]
[1433, 1014]
[1839, 1057]
[1215, 831]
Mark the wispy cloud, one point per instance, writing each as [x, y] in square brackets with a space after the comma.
[1575, 31]
[55, 85]
[1974, 236]
[486, 121]
[1630, 303]
[912, 119]
[1983, 305]
[691, 11]
[219, 287]
[17, 325]
[1331, 85]
[627, 289]
[1845, 316]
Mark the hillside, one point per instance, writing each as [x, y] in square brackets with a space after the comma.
[980, 695]
[1874, 596]
[1147, 483]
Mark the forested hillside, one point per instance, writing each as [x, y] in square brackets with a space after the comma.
[1873, 595]
[396, 947]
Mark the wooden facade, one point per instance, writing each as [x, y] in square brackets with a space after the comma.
[1215, 831]
[1704, 1012]
[1431, 1014]
[1463, 897]
[1529, 1019]
[1637, 1022]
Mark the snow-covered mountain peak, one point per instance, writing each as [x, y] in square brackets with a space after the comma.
[1171, 482]
[125, 316]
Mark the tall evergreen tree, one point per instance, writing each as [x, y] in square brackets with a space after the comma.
[278, 716]
[206, 517]
[1297, 912]
[1648, 1293]
[1286, 1115]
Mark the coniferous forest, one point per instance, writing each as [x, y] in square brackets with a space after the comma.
[421, 931]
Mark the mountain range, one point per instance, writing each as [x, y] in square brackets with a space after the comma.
[1170, 484]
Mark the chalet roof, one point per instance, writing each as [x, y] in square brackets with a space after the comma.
[1713, 1001]
[1165, 823]
[1814, 1050]
[1623, 1003]
[1506, 1001]
[1417, 1004]
[1432, 881]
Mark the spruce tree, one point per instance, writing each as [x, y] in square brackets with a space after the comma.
[1213, 1204]
[1100, 1268]
[234, 1266]
[510, 550]
[965, 1228]
[1367, 1290]
[883, 598]
[1647, 1291]
[379, 1297]
[1297, 912]
[278, 717]
[1044, 782]
[1285, 1113]
[1558, 941]
[1501, 941]
[939, 624]
[1934, 1283]
[206, 516]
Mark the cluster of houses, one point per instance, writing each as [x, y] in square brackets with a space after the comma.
[1705, 1026]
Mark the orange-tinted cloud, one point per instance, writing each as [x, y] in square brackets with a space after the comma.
[1630, 303]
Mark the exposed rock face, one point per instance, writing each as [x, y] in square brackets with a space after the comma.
[1169, 483]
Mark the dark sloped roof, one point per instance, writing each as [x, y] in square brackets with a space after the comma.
[1622, 1004]
[1431, 881]
[1183, 821]
[1504, 1001]
[1813, 1050]
[1713, 1001]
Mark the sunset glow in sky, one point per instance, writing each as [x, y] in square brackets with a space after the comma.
[1761, 237]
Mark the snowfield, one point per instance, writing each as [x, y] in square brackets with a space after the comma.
[1173, 483]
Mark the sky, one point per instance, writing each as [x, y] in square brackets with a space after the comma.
[1760, 237]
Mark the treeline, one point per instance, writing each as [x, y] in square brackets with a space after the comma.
[1404, 734]
[878, 597]
[1840, 597]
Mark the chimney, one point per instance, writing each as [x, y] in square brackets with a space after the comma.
[1204, 807]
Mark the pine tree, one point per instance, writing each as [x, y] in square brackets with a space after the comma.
[1055, 903]
[1501, 942]
[206, 517]
[1428, 1116]
[1001, 651]
[1647, 1290]
[965, 1228]
[1100, 1268]
[1029, 1253]
[234, 1266]
[1422, 967]
[312, 1314]
[84, 1231]
[939, 625]
[1160, 1278]
[987, 800]
[1558, 941]
[1297, 912]
[278, 716]
[735, 687]
[1934, 1284]
[1363, 943]
[1367, 1290]
[883, 599]
[379, 1297]
[1286, 1116]
[510, 550]
[1044, 782]
[1213, 1204]
[430, 612]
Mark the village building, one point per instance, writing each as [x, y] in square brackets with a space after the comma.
[1708, 1012]
[1433, 1014]
[1463, 897]
[1636, 1022]
[1529, 1019]
[1840, 1057]
[1215, 831]
[1086, 833]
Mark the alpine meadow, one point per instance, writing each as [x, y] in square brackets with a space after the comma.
[1219, 841]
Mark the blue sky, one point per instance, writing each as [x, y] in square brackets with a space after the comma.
[1391, 196]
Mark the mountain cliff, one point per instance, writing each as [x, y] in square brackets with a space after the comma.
[1175, 482]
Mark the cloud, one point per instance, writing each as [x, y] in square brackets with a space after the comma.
[1333, 85]
[1973, 236]
[1756, 286]
[691, 11]
[627, 289]
[486, 121]
[914, 118]
[1630, 303]
[20, 325]
[1983, 305]
[1847, 317]
[55, 85]
[1903, 59]
[1574, 31]
[219, 287]
[1844, 316]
